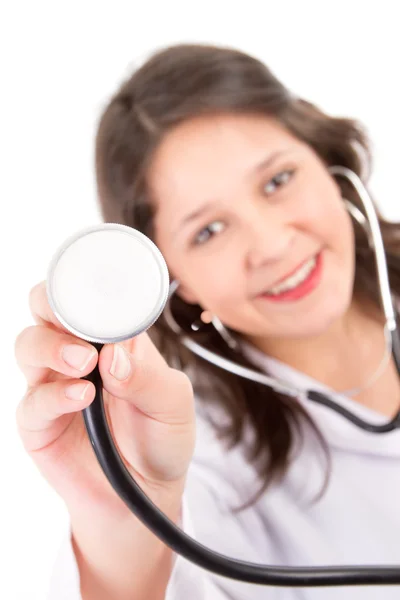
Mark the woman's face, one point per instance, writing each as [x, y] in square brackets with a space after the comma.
[241, 205]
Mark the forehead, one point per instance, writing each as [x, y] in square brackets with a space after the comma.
[221, 145]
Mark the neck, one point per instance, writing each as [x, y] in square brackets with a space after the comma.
[342, 357]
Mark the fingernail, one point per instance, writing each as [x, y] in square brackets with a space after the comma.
[121, 365]
[77, 356]
[76, 391]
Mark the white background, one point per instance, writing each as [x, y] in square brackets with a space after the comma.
[59, 63]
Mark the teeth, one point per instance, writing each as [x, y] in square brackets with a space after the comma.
[294, 280]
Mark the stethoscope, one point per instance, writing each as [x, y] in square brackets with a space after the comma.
[109, 283]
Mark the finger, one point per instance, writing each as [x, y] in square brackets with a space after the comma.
[41, 309]
[45, 411]
[137, 372]
[38, 349]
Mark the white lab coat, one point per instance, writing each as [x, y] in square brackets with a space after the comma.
[356, 522]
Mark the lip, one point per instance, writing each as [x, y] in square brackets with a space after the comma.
[288, 274]
[303, 289]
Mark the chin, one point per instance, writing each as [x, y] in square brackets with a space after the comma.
[320, 320]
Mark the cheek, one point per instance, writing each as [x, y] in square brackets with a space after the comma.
[220, 276]
[336, 235]
[329, 222]
[201, 270]
[338, 231]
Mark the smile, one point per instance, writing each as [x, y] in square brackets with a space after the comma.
[298, 284]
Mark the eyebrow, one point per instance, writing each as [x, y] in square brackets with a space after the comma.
[267, 162]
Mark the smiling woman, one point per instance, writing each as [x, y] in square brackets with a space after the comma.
[205, 151]
[262, 236]
[208, 154]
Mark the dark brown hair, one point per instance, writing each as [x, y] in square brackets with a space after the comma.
[181, 82]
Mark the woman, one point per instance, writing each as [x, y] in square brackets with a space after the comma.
[208, 154]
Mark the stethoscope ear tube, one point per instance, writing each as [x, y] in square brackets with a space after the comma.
[148, 513]
[324, 400]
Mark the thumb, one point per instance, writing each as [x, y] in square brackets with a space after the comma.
[135, 371]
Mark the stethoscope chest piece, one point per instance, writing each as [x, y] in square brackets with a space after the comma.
[107, 283]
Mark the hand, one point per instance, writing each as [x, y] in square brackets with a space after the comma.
[149, 406]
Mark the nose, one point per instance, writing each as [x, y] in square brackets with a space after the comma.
[269, 239]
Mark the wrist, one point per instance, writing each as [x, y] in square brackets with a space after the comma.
[117, 554]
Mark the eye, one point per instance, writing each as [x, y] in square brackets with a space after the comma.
[207, 232]
[280, 179]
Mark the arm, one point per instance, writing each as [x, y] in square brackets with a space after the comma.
[205, 516]
[122, 559]
[71, 573]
